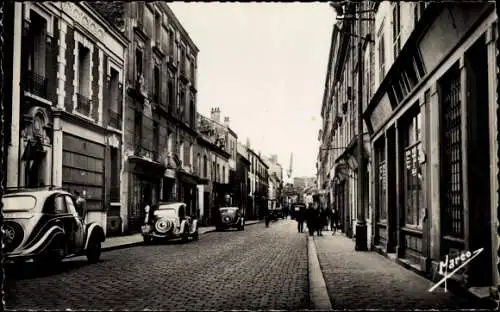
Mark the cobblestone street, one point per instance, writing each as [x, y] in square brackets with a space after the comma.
[259, 268]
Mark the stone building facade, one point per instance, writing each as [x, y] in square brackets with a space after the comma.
[160, 109]
[68, 72]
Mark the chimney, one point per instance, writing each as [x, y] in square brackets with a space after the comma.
[226, 121]
[248, 143]
[274, 158]
[215, 114]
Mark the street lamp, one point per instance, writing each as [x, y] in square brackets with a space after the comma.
[361, 227]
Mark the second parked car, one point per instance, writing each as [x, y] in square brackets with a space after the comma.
[230, 217]
[169, 221]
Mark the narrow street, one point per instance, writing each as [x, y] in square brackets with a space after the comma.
[260, 268]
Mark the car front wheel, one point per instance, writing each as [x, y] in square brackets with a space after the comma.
[94, 250]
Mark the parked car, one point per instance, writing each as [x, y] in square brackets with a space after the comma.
[169, 221]
[230, 217]
[44, 225]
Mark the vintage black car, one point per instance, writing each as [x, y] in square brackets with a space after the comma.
[169, 221]
[230, 217]
[44, 225]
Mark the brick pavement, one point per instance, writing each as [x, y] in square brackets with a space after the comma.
[259, 268]
[368, 280]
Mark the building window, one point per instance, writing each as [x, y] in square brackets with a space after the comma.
[156, 85]
[223, 180]
[156, 139]
[158, 27]
[414, 200]
[192, 72]
[115, 107]
[186, 156]
[381, 57]
[171, 43]
[138, 62]
[182, 103]
[198, 162]
[182, 57]
[37, 81]
[192, 111]
[205, 166]
[83, 92]
[214, 171]
[138, 130]
[140, 14]
[171, 95]
[115, 175]
[218, 173]
[396, 29]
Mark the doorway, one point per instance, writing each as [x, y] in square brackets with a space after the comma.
[478, 163]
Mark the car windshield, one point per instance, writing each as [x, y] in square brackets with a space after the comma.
[18, 203]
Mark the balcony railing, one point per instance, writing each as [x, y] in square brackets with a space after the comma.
[36, 84]
[115, 119]
[83, 104]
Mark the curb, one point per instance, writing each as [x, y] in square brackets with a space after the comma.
[318, 293]
[141, 243]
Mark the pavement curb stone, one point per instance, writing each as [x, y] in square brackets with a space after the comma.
[140, 243]
[319, 298]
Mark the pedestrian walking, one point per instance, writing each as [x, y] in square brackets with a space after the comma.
[320, 222]
[323, 220]
[311, 219]
[300, 217]
[334, 220]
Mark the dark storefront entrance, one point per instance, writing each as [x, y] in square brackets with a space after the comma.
[143, 189]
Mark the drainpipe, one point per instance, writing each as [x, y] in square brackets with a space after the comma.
[2, 149]
[361, 227]
[498, 137]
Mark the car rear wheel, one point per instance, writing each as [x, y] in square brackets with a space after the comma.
[148, 240]
[94, 250]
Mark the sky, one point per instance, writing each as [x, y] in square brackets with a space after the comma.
[264, 65]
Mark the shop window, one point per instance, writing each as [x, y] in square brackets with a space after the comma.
[413, 183]
[382, 180]
[452, 204]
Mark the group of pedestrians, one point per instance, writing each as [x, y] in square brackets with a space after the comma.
[317, 218]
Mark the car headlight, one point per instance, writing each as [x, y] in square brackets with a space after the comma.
[163, 226]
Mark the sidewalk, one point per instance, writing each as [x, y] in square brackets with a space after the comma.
[367, 280]
[125, 241]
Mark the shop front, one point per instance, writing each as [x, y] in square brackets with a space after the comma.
[188, 191]
[143, 189]
[429, 125]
